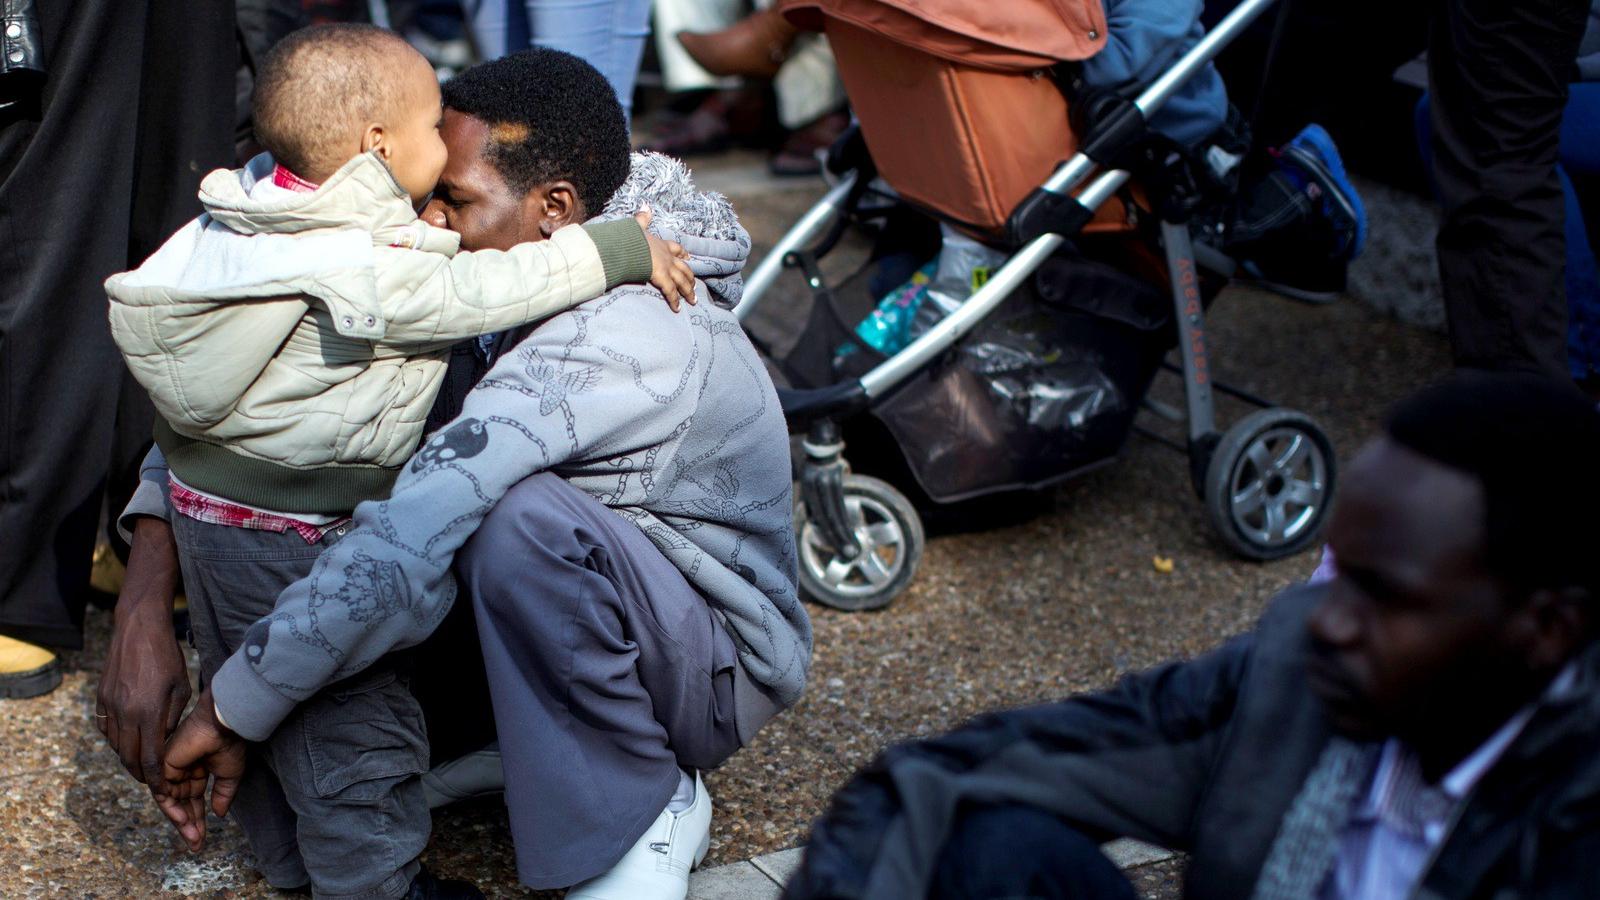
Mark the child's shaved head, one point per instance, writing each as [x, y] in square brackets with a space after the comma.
[320, 86]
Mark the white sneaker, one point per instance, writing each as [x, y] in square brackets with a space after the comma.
[477, 774]
[657, 866]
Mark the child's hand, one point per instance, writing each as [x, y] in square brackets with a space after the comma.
[200, 746]
[669, 274]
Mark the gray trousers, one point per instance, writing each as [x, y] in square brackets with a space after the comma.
[608, 672]
[333, 798]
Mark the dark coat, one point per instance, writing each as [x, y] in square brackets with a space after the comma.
[1205, 757]
[21, 60]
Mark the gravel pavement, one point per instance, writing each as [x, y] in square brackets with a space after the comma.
[1062, 600]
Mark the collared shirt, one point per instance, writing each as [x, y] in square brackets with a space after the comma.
[1395, 829]
[290, 181]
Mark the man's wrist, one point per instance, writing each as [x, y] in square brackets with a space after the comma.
[152, 577]
[216, 713]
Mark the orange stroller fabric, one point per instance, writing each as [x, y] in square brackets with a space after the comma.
[1002, 35]
[953, 98]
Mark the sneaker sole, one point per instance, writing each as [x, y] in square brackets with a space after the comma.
[1313, 148]
[1316, 298]
[32, 683]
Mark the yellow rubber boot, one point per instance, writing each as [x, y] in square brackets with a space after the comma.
[107, 572]
[26, 670]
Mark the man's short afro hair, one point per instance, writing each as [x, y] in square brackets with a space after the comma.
[551, 117]
[1533, 443]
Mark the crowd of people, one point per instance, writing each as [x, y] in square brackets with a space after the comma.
[420, 330]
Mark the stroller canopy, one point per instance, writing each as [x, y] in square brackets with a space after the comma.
[999, 35]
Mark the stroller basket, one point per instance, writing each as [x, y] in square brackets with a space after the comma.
[975, 136]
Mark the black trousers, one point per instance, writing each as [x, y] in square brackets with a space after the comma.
[137, 106]
[1021, 853]
[1499, 72]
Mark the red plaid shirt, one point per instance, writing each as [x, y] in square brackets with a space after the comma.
[286, 179]
[201, 508]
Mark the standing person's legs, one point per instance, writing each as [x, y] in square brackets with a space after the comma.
[490, 24]
[1580, 158]
[109, 168]
[679, 71]
[65, 201]
[333, 798]
[1499, 74]
[607, 34]
[608, 671]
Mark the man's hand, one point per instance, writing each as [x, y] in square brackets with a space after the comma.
[200, 746]
[669, 273]
[145, 685]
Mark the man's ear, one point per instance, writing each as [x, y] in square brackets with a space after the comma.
[1561, 625]
[557, 205]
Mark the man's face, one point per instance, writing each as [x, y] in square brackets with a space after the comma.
[473, 198]
[1416, 638]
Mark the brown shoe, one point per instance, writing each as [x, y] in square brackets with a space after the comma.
[725, 119]
[801, 153]
[755, 46]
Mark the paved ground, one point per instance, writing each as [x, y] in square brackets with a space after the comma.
[1062, 600]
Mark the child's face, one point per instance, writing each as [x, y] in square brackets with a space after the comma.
[411, 144]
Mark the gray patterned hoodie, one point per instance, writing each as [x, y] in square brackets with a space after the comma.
[669, 419]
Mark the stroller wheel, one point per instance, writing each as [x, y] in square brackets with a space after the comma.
[1269, 484]
[890, 534]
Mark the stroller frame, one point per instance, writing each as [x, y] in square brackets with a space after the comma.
[1273, 444]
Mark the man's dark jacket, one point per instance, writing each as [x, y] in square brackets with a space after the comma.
[1205, 757]
[21, 54]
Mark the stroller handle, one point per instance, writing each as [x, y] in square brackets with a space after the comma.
[810, 225]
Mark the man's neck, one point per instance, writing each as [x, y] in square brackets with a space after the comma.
[1441, 753]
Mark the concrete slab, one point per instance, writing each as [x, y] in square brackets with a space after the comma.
[1128, 853]
[738, 881]
[779, 866]
[1398, 273]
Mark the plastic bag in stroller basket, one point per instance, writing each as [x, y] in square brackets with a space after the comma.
[1046, 386]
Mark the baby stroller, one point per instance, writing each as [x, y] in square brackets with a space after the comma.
[1039, 374]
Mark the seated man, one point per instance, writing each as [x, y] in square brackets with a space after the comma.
[1423, 725]
[624, 482]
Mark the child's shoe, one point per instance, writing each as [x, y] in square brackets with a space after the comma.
[1300, 226]
[107, 572]
[1312, 160]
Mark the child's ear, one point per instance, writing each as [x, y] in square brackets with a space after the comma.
[558, 206]
[373, 139]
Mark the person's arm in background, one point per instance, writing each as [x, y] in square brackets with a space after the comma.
[145, 684]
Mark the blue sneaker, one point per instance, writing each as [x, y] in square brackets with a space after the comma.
[1313, 161]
